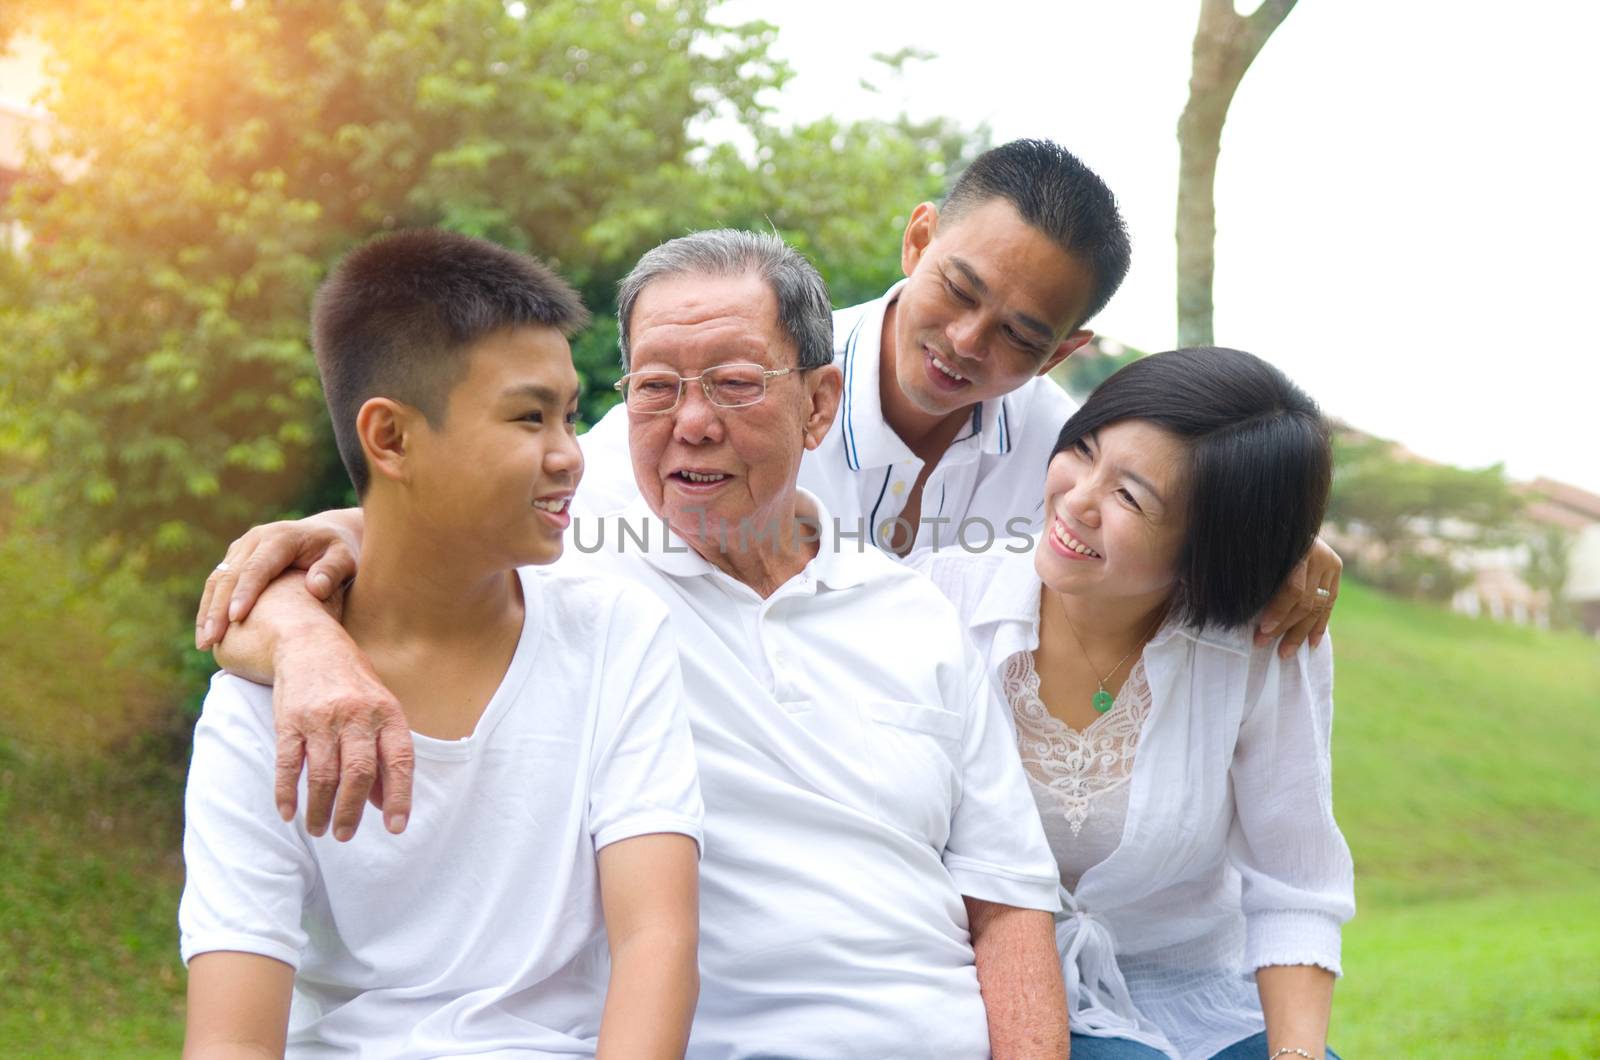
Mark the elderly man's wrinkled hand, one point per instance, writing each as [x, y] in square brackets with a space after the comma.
[335, 718]
[1301, 608]
[325, 546]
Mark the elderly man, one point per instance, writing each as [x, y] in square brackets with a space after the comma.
[875, 881]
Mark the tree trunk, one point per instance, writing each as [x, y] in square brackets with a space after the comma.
[1225, 43]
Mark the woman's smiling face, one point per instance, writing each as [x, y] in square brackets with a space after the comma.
[1115, 514]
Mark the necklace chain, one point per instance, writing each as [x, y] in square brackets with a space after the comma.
[1102, 700]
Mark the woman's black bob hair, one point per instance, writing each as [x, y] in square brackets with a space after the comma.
[1257, 478]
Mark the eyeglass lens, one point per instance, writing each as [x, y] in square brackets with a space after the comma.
[727, 385]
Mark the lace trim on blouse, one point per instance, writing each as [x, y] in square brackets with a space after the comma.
[1076, 768]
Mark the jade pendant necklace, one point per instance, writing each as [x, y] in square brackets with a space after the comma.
[1103, 700]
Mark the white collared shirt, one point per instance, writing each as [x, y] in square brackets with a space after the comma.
[859, 779]
[988, 486]
[1230, 858]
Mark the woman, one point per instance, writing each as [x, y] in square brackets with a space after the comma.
[1182, 773]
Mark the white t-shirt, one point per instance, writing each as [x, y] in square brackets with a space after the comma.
[860, 777]
[478, 930]
[988, 487]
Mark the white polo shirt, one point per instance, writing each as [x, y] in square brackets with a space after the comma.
[991, 479]
[859, 778]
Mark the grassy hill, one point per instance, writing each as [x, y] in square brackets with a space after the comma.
[1464, 779]
[1465, 784]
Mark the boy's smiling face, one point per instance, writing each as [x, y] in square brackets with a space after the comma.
[497, 475]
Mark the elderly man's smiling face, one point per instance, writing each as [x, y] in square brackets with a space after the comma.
[709, 470]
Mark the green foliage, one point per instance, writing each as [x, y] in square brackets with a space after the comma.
[1417, 517]
[212, 160]
[1549, 567]
[1079, 374]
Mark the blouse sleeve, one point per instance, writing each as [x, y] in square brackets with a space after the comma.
[1296, 867]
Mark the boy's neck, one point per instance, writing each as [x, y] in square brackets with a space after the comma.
[439, 626]
[413, 589]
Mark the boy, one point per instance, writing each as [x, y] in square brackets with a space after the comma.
[549, 734]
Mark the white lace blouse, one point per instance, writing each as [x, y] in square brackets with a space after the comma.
[1079, 779]
[1229, 857]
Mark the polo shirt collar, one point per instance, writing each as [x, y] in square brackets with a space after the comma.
[1012, 595]
[869, 441]
[837, 564]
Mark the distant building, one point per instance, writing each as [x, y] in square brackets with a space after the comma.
[1494, 580]
[1499, 588]
[1575, 512]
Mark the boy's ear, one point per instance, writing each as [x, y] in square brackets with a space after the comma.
[384, 427]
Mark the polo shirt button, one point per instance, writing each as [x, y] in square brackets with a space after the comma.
[899, 488]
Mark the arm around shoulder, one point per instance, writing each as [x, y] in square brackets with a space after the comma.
[333, 714]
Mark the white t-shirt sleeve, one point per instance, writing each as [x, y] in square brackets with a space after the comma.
[644, 774]
[1298, 878]
[247, 870]
[997, 850]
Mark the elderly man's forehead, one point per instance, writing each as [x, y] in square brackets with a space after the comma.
[695, 311]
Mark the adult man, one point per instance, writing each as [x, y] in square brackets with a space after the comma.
[947, 418]
[872, 855]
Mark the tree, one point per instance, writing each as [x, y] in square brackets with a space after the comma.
[211, 160]
[1080, 375]
[1413, 523]
[1225, 44]
[1549, 567]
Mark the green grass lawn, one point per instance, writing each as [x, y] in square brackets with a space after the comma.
[1504, 975]
[1464, 782]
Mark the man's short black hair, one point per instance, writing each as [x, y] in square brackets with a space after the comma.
[396, 315]
[1257, 475]
[1061, 197]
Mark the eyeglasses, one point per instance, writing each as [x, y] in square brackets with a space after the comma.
[728, 386]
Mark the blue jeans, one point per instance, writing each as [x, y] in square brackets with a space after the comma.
[1086, 1048]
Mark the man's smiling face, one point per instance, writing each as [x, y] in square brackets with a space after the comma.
[989, 303]
[709, 470]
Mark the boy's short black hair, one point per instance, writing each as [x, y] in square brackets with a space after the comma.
[1259, 467]
[396, 315]
[1061, 197]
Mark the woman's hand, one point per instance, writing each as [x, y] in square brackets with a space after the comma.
[1302, 606]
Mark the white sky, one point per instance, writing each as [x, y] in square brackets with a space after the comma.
[1408, 205]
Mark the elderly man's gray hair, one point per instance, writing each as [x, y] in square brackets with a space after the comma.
[803, 308]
